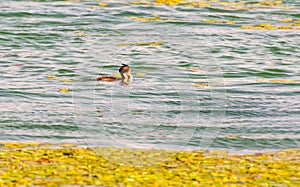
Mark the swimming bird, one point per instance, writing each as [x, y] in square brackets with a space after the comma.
[125, 72]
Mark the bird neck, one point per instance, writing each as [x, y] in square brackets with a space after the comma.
[126, 77]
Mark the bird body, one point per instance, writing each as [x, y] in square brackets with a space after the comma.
[125, 72]
[107, 79]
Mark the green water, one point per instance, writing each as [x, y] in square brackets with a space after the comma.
[207, 84]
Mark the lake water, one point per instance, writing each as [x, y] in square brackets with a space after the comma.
[204, 77]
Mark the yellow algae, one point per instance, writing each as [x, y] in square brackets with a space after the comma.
[218, 152]
[91, 7]
[296, 25]
[141, 74]
[286, 20]
[201, 4]
[270, 3]
[220, 21]
[277, 81]
[51, 77]
[230, 3]
[193, 69]
[45, 145]
[230, 22]
[145, 19]
[249, 27]
[140, 2]
[266, 26]
[286, 27]
[19, 145]
[26, 54]
[209, 21]
[261, 80]
[75, 166]
[168, 2]
[102, 4]
[238, 5]
[150, 43]
[154, 43]
[286, 8]
[67, 145]
[81, 34]
[117, 75]
[124, 44]
[233, 136]
[66, 80]
[64, 90]
[283, 81]
[190, 6]
[200, 85]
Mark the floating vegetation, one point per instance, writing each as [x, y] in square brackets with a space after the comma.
[140, 74]
[145, 19]
[64, 90]
[269, 3]
[287, 20]
[220, 21]
[66, 80]
[51, 77]
[98, 6]
[81, 34]
[170, 2]
[233, 136]
[216, 4]
[142, 2]
[201, 85]
[155, 43]
[102, 4]
[193, 69]
[221, 3]
[117, 75]
[277, 81]
[35, 164]
[25, 54]
[267, 26]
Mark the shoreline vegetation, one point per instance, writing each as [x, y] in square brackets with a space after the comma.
[36, 164]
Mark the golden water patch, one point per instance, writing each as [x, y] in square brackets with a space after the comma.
[64, 90]
[270, 3]
[102, 4]
[141, 74]
[67, 145]
[267, 26]
[142, 2]
[51, 77]
[153, 43]
[75, 166]
[117, 75]
[201, 85]
[145, 19]
[277, 81]
[220, 21]
[66, 80]
[286, 20]
[194, 69]
[81, 34]
[169, 2]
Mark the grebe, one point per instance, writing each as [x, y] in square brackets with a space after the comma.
[125, 72]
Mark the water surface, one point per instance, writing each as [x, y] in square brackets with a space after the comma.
[203, 83]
